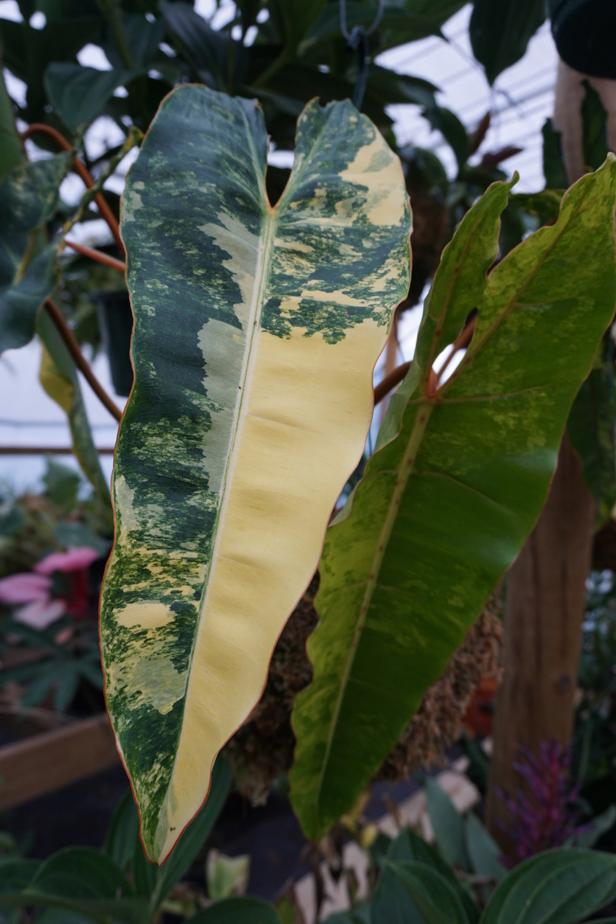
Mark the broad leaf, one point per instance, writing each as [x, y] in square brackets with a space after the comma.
[557, 887]
[256, 330]
[500, 32]
[444, 508]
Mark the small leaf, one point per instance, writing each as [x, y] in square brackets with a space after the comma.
[237, 911]
[122, 833]
[557, 887]
[435, 899]
[226, 876]
[483, 851]
[204, 48]
[595, 140]
[61, 484]
[554, 169]
[79, 94]
[452, 130]
[447, 824]
[596, 828]
[500, 31]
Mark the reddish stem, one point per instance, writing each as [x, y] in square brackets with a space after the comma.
[81, 362]
[97, 255]
[80, 168]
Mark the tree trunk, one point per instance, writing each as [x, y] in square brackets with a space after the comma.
[546, 595]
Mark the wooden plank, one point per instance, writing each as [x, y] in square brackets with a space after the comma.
[46, 762]
[546, 602]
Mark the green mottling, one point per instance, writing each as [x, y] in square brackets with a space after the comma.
[193, 220]
[455, 486]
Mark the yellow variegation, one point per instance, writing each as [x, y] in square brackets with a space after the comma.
[256, 331]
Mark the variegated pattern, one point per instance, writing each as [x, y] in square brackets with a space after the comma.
[256, 331]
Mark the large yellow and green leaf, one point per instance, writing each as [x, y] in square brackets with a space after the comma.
[256, 331]
[456, 483]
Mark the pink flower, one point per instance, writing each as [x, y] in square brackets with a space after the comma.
[35, 588]
[24, 587]
[73, 560]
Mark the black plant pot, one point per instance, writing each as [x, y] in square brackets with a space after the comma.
[585, 32]
[116, 324]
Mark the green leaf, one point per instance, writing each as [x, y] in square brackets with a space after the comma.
[500, 32]
[557, 887]
[20, 301]
[16, 874]
[402, 22]
[591, 430]
[78, 879]
[433, 897]
[61, 484]
[11, 152]
[410, 846]
[195, 836]
[122, 834]
[231, 453]
[71, 533]
[448, 825]
[482, 850]
[79, 94]
[595, 140]
[292, 19]
[452, 130]
[596, 828]
[554, 169]
[79, 872]
[455, 486]
[206, 50]
[59, 378]
[237, 911]
[28, 199]
[226, 876]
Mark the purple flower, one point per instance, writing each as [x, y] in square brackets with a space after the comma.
[543, 812]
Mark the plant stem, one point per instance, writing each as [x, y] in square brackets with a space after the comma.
[390, 381]
[81, 362]
[97, 255]
[82, 171]
[462, 340]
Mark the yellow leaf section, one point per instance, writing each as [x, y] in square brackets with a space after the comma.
[254, 576]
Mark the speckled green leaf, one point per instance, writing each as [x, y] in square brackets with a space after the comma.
[28, 198]
[256, 330]
[444, 507]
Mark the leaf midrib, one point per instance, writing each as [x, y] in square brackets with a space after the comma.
[261, 278]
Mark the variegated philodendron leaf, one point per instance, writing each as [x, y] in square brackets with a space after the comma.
[256, 331]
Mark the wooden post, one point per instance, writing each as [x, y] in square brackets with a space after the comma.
[546, 599]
